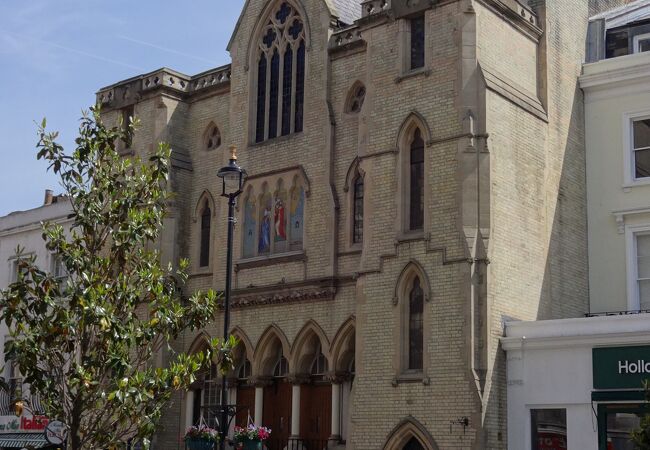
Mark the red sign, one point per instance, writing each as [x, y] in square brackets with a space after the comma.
[35, 423]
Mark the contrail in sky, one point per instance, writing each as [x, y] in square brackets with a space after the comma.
[165, 49]
[74, 50]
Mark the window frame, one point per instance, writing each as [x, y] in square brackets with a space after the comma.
[638, 38]
[355, 197]
[205, 239]
[406, 46]
[260, 133]
[632, 269]
[529, 422]
[629, 176]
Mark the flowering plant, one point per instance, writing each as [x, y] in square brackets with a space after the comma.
[203, 432]
[251, 433]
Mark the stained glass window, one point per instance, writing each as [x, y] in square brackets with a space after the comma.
[417, 42]
[300, 87]
[273, 100]
[287, 84]
[416, 326]
[357, 232]
[204, 258]
[282, 66]
[416, 204]
[261, 99]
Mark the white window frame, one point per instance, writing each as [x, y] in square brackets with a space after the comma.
[629, 176]
[637, 39]
[631, 232]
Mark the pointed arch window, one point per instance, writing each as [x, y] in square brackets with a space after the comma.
[280, 75]
[212, 137]
[413, 444]
[245, 370]
[204, 257]
[416, 326]
[281, 368]
[356, 98]
[319, 364]
[416, 182]
[357, 213]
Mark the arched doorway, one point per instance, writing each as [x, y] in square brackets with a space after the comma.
[316, 403]
[277, 401]
[245, 394]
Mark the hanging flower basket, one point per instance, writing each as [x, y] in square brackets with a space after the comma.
[201, 438]
[251, 437]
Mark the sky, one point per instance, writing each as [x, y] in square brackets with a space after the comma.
[55, 54]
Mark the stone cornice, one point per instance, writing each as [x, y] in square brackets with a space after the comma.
[519, 16]
[166, 81]
[615, 72]
[285, 296]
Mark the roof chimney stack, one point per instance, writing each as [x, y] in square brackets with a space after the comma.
[49, 196]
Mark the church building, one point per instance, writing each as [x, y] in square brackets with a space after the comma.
[416, 177]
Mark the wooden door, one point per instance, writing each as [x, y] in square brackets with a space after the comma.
[277, 414]
[315, 415]
[245, 405]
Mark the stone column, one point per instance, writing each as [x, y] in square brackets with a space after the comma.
[296, 381]
[189, 408]
[337, 380]
[259, 404]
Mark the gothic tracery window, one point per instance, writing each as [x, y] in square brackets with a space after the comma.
[204, 257]
[212, 137]
[280, 75]
[357, 213]
[416, 182]
[415, 326]
[357, 97]
[413, 444]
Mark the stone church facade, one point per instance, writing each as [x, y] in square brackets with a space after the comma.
[416, 177]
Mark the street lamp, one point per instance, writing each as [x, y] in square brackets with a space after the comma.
[232, 178]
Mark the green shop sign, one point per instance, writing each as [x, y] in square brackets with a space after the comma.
[621, 367]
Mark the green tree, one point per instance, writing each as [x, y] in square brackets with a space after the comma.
[86, 345]
[641, 436]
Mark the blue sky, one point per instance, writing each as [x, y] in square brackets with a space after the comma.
[55, 54]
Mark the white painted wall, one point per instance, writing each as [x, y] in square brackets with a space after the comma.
[23, 228]
[613, 89]
[549, 365]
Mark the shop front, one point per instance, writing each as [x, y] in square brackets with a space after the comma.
[576, 384]
[26, 431]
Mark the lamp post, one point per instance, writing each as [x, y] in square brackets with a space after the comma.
[232, 177]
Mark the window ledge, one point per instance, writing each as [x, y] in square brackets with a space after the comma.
[410, 378]
[201, 272]
[413, 73]
[635, 183]
[275, 140]
[279, 258]
[354, 249]
[409, 236]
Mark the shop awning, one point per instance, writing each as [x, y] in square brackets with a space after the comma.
[613, 396]
[23, 440]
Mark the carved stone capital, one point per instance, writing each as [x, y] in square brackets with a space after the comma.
[298, 378]
[337, 377]
[260, 381]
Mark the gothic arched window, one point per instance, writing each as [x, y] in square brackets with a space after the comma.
[280, 75]
[281, 368]
[413, 444]
[204, 257]
[416, 326]
[416, 182]
[357, 213]
[356, 98]
[212, 137]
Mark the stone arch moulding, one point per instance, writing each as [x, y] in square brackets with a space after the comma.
[412, 121]
[244, 340]
[355, 167]
[200, 342]
[205, 196]
[413, 268]
[340, 340]
[409, 428]
[262, 22]
[311, 328]
[288, 173]
[263, 346]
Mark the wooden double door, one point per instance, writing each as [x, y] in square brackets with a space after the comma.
[277, 413]
[245, 405]
[315, 414]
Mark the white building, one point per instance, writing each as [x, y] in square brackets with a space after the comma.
[23, 229]
[577, 383]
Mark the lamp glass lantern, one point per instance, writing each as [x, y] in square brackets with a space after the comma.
[232, 176]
